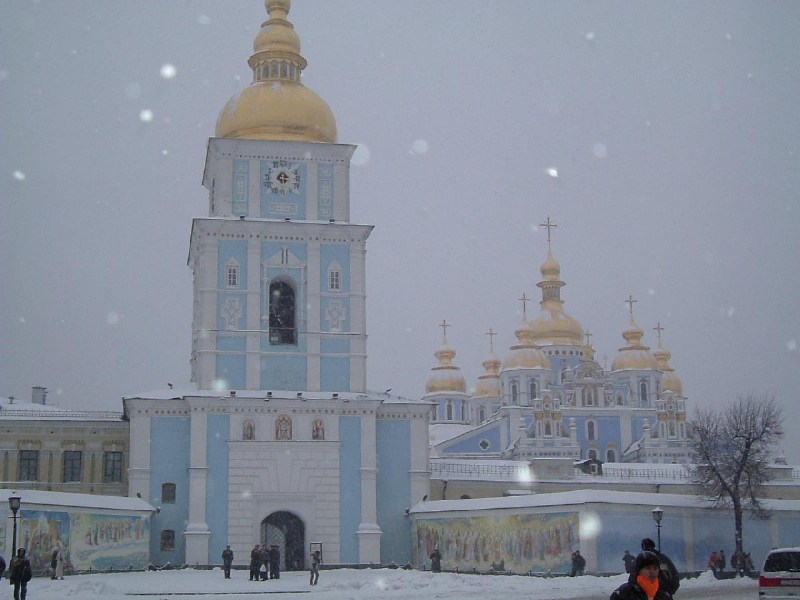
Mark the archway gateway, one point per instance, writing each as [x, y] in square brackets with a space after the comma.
[286, 531]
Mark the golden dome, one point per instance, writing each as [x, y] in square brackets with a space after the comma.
[526, 354]
[634, 355]
[276, 106]
[553, 326]
[488, 385]
[669, 378]
[445, 377]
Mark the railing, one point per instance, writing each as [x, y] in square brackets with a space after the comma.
[96, 415]
[511, 472]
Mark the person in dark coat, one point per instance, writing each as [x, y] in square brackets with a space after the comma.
[2, 566]
[227, 561]
[264, 553]
[255, 562]
[316, 561]
[668, 574]
[644, 582]
[274, 563]
[436, 561]
[578, 564]
[20, 574]
[628, 559]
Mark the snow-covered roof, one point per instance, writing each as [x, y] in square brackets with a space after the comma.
[178, 393]
[576, 498]
[441, 432]
[39, 498]
[27, 411]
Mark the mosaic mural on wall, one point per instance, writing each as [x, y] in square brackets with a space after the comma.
[518, 543]
[89, 541]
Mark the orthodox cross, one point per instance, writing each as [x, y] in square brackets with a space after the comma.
[549, 225]
[491, 333]
[630, 301]
[658, 329]
[588, 335]
[524, 301]
[444, 327]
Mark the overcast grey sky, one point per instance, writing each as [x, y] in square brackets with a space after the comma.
[673, 127]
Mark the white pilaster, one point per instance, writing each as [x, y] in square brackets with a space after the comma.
[197, 531]
[369, 533]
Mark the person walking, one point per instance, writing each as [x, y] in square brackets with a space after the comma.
[20, 574]
[628, 559]
[667, 574]
[436, 561]
[712, 563]
[721, 562]
[59, 574]
[316, 561]
[227, 561]
[2, 566]
[644, 582]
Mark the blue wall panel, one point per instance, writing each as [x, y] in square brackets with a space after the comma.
[169, 459]
[335, 374]
[394, 489]
[217, 484]
[283, 372]
[349, 487]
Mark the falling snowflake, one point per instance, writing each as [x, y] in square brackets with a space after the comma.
[146, 115]
[552, 172]
[19, 175]
[168, 71]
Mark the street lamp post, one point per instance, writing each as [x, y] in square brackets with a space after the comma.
[13, 504]
[658, 514]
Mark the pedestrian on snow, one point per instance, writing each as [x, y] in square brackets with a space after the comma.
[227, 561]
[2, 566]
[264, 571]
[721, 563]
[255, 562]
[712, 562]
[629, 559]
[644, 582]
[316, 561]
[436, 561]
[59, 556]
[667, 574]
[274, 563]
[578, 564]
[20, 574]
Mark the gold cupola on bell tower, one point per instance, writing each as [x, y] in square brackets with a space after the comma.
[276, 106]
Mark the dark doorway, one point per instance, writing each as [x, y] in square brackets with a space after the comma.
[286, 531]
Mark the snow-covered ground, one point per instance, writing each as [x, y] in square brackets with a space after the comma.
[365, 584]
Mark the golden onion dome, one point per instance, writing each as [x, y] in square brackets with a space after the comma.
[488, 385]
[669, 378]
[445, 377]
[553, 326]
[634, 355]
[276, 105]
[526, 354]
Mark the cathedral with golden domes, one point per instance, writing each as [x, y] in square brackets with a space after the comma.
[549, 398]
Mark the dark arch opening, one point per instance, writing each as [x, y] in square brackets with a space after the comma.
[286, 531]
[282, 324]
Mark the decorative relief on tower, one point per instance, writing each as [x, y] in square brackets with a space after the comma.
[318, 430]
[232, 312]
[335, 315]
[283, 428]
[283, 189]
[241, 187]
[325, 191]
[282, 177]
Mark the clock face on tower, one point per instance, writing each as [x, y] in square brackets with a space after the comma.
[283, 178]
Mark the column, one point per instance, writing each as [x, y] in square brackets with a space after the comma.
[197, 532]
[369, 533]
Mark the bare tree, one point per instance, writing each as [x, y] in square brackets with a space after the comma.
[731, 451]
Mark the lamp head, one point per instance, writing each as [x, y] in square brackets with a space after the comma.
[658, 514]
[14, 503]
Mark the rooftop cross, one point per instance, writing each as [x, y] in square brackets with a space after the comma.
[491, 333]
[549, 225]
[588, 335]
[658, 329]
[444, 327]
[524, 301]
[630, 301]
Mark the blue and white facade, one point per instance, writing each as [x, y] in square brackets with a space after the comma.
[548, 398]
[279, 441]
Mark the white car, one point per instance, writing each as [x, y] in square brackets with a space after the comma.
[780, 576]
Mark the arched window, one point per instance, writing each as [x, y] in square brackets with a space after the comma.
[514, 393]
[548, 429]
[611, 456]
[532, 389]
[589, 397]
[620, 400]
[232, 274]
[283, 428]
[590, 430]
[249, 430]
[449, 410]
[643, 393]
[481, 414]
[282, 325]
[592, 454]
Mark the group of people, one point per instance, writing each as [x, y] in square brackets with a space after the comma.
[741, 562]
[19, 573]
[265, 563]
[652, 575]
